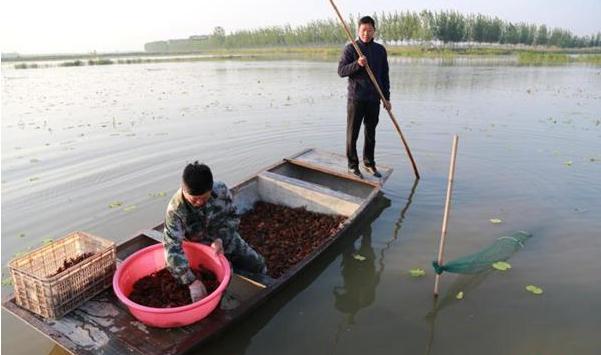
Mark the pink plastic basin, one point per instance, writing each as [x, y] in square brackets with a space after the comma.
[150, 259]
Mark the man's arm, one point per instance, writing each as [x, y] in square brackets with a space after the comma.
[348, 65]
[385, 77]
[225, 221]
[177, 262]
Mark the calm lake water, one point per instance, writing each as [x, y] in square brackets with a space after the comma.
[76, 139]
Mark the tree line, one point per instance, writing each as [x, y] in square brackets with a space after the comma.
[445, 26]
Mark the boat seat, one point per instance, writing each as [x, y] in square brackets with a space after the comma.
[153, 233]
[292, 192]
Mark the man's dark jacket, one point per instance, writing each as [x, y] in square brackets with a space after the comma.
[360, 87]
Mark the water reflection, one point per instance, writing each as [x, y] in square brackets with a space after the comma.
[360, 277]
[464, 283]
[358, 268]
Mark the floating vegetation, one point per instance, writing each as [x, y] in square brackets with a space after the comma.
[100, 62]
[26, 66]
[589, 59]
[538, 58]
[359, 257]
[495, 220]
[331, 51]
[129, 208]
[35, 178]
[157, 194]
[501, 266]
[568, 163]
[133, 61]
[115, 204]
[417, 272]
[534, 290]
[8, 281]
[19, 253]
[75, 63]
[426, 52]
[459, 295]
[47, 241]
[21, 235]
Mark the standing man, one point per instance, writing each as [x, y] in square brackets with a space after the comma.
[202, 211]
[363, 100]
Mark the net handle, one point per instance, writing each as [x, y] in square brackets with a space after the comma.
[447, 207]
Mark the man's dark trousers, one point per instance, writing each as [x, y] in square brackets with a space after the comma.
[358, 112]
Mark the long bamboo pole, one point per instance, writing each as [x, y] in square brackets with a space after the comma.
[375, 82]
[447, 207]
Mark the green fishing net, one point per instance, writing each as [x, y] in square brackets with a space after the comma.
[500, 250]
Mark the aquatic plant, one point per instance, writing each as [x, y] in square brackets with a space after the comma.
[538, 58]
[100, 62]
[75, 63]
[26, 66]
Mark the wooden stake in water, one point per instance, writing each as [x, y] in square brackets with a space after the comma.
[447, 207]
[375, 82]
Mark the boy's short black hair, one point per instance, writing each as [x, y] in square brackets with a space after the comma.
[367, 20]
[197, 179]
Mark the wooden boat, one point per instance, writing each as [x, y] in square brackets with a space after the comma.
[317, 180]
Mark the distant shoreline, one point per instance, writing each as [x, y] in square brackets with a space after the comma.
[524, 55]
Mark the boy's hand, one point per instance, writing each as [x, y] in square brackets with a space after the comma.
[198, 291]
[217, 246]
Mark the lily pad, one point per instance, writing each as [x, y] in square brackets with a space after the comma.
[459, 295]
[129, 208]
[417, 272]
[115, 204]
[534, 290]
[495, 220]
[501, 266]
[19, 253]
[359, 257]
[158, 194]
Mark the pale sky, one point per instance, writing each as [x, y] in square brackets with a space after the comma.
[63, 26]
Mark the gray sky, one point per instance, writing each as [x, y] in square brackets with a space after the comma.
[61, 26]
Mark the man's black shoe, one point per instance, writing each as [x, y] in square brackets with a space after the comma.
[372, 170]
[356, 172]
